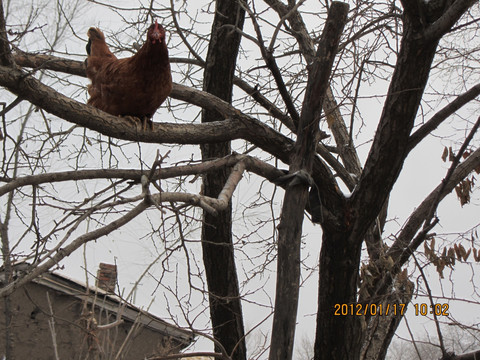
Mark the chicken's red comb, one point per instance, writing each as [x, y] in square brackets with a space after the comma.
[156, 26]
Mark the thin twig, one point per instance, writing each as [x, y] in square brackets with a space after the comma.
[452, 168]
[267, 55]
[184, 39]
[51, 325]
[432, 304]
[281, 22]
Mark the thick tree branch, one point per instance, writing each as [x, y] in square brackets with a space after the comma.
[442, 115]
[75, 67]
[345, 145]
[49, 62]
[29, 88]
[382, 328]
[412, 13]
[5, 51]
[335, 120]
[254, 165]
[38, 61]
[445, 23]
[290, 227]
[390, 145]
[236, 126]
[406, 242]
[125, 128]
[469, 356]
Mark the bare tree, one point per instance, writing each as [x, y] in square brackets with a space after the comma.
[282, 85]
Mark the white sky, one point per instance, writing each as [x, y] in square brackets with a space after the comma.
[422, 172]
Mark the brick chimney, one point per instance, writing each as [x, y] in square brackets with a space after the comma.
[107, 277]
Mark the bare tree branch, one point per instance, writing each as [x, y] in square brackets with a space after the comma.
[330, 106]
[267, 55]
[443, 25]
[442, 115]
[70, 248]
[5, 50]
[290, 227]
[377, 34]
[255, 165]
[49, 62]
[75, 67]
[404, 244]
[412, 12]
[389, 147]
[239, 126]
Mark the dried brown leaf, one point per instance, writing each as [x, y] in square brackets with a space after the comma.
[451, 155]
[451, 255]
[445, 154]
[476, 255]
[440, 266]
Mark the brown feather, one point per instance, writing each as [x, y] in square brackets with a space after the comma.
[134, 86]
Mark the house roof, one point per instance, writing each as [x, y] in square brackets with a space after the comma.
[107, 301]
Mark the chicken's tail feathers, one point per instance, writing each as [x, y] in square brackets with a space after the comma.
[95, 33]
[97, 45]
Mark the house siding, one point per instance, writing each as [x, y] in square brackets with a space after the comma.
[32, 338]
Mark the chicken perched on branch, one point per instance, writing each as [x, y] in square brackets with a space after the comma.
[134, 86]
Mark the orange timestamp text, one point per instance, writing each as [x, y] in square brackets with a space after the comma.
[369, 309]
[423, 309]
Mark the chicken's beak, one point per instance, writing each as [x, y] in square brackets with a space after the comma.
[156, 37]
[156, 34]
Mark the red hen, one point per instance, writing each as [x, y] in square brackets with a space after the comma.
[134, 86]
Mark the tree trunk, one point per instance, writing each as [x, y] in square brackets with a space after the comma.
[217, 245]
[341, 336]
[337, 336]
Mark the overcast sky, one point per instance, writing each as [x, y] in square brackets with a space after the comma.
[423, 171]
